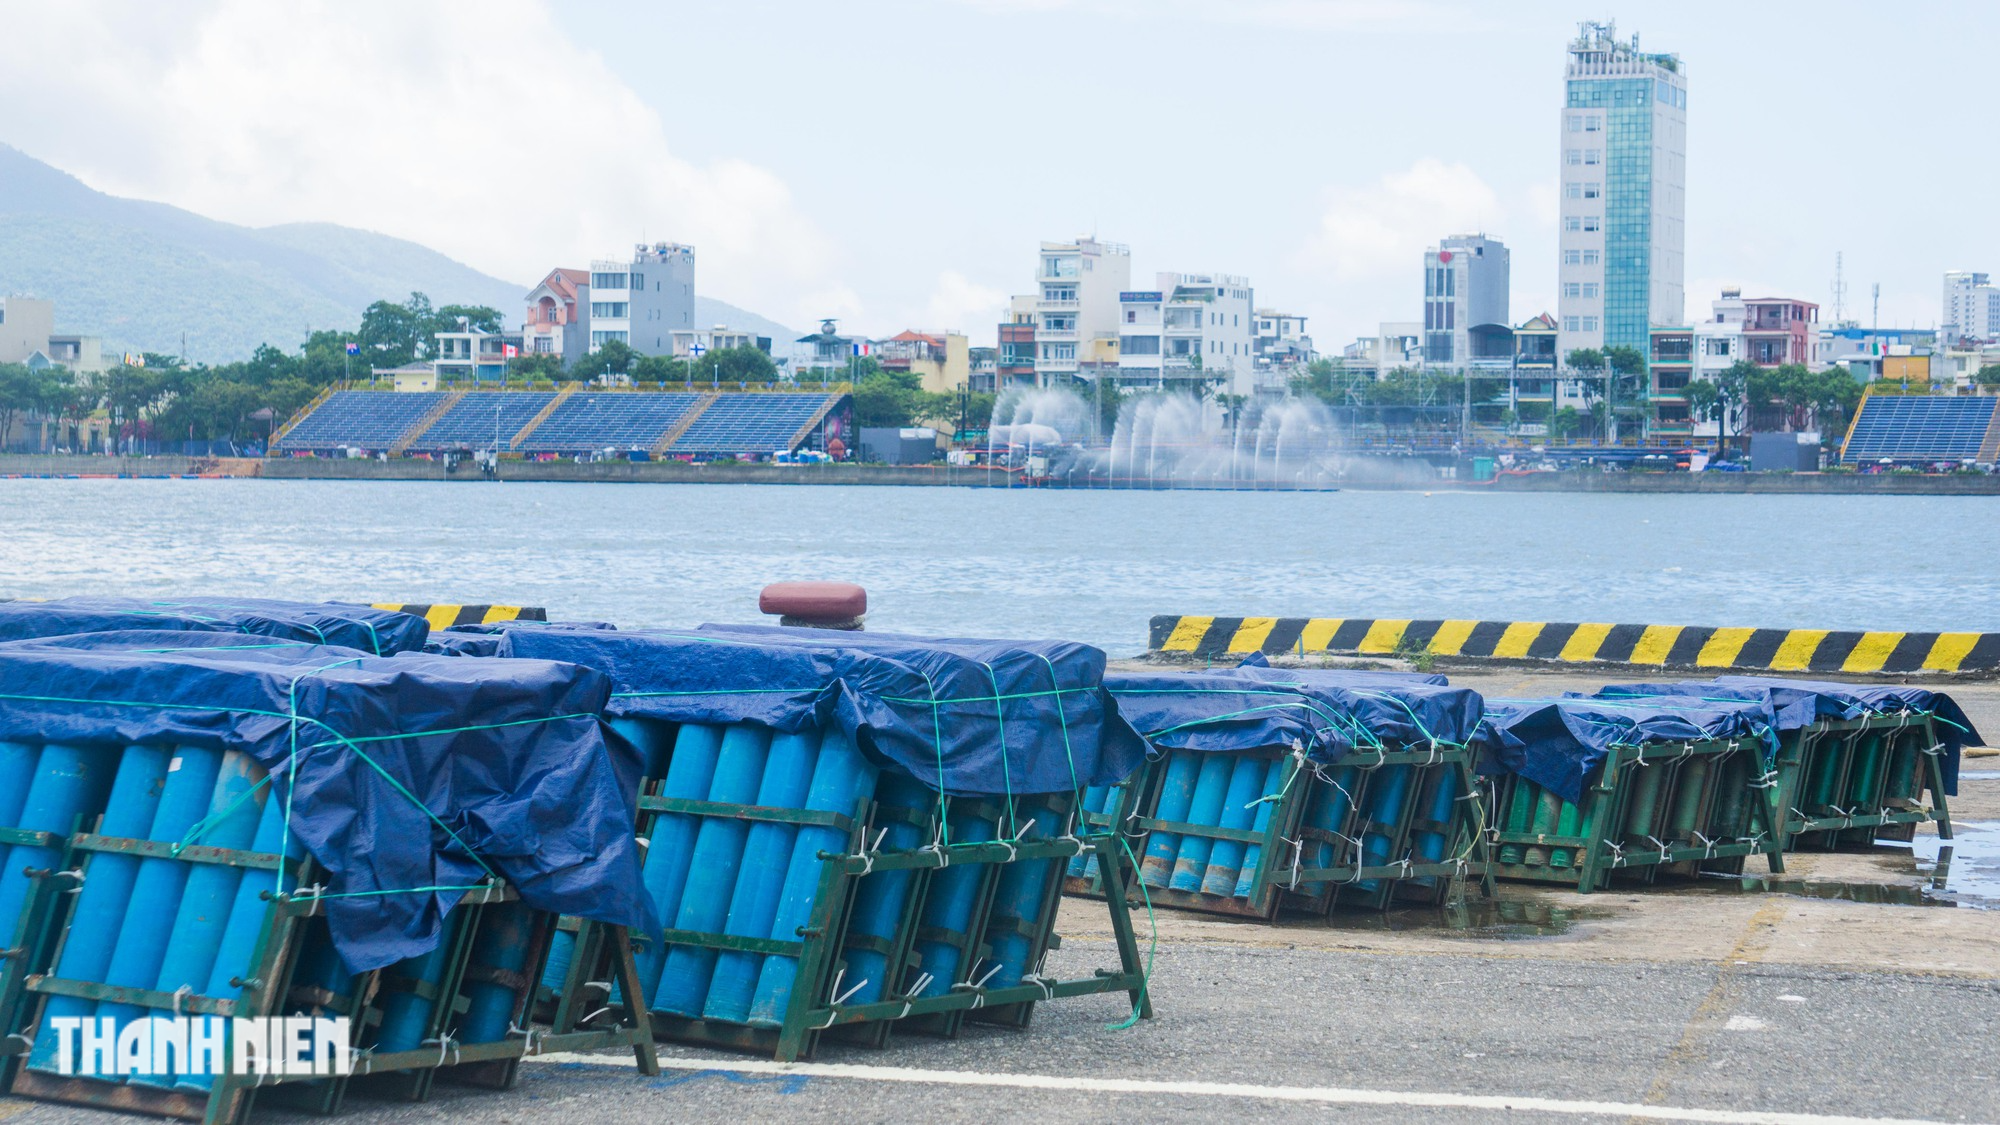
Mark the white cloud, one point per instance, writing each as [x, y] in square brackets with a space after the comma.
[480, 130]
[1312, 15]
[960, 304]
[1381, 230]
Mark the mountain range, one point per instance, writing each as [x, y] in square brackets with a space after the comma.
[147, 276]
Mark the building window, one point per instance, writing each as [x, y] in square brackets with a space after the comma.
[1592, 222]
[1592, 123]
[614, 310]
[1571, 222]
[1571, 257]
[607, 281]
[1593, 156]
[1590, 257]
[1575, 123]
[1573, 157]
[1590, 290]
[544, 345]
[1569, 324]
[600, 338]
[1590, 324]
[1573, 191]
[1592, 191]
[639, 282]
[1572, 289]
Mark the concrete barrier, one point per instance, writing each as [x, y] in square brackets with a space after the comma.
[445, 616]
[1697, 647]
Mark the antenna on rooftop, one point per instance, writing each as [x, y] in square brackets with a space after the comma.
[1875, 318]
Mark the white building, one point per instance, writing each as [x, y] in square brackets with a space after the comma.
[1192, 328]
[1623, 205]
[1282, 346]
[1466, 278]
[643, 301]
[1971, 308]
[1395, 344]
[1076, 306]
[692, 342]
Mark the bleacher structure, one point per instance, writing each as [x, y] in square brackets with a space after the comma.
[1923, 428]
[660, 423]
[359, 418]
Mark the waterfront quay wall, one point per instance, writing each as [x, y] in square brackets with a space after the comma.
[731, 472]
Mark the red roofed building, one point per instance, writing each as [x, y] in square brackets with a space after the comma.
[557, 320]
[942, 359]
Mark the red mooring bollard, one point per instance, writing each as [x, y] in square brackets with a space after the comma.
[815, 605]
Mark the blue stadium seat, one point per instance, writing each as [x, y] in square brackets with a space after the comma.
[372, 420]
[469, 424]
[749, 423]
[1919, 428]
[609, 420]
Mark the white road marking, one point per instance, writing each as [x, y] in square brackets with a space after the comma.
[1744, 1023]
[1332, 1095]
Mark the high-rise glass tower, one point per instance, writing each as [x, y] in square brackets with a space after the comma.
[1624, 189]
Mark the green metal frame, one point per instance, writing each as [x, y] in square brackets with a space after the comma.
[1280, 883]
[814, 1008]
[1844, 783]
[27, 947]
[1697, 790]
[267, 990]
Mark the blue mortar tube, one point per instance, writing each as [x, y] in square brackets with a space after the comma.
[880, 898]
[1436, 799]
[1211, 792]
[249, 911]
[156, 890]
[948, 905]
[70, 781]
[1385, 804]
[505, 931]
[712, 870]
[671, 845]
[841, 777]
[107, 886]
[196, 936]
[406, 1016]
[753, 905]
[1328, 804]
[1176, 797]
[1254, 854]
[1239, 810]
[1023, 883]
[1093, 801]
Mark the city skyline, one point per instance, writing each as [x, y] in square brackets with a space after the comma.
[927, 217]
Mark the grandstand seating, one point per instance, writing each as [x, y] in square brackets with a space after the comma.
[1919, 428]
[749, 423]
[609, 420]
[469, 423]
[372, 420]
[714, 424]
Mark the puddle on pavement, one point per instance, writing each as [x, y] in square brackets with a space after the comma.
[1497, 920]
[1966, 867]
[1962, 871]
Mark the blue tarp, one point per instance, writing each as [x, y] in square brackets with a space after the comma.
[1561, 743]
[964, 716]
[485, 639]
[1798, 703]
[378, 631]
[1257, 666]
[506, 754]
[1326, 713]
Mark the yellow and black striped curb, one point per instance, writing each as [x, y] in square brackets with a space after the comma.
[445, 616]
[1665, 646]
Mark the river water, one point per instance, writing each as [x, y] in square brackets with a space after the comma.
[1089, 566]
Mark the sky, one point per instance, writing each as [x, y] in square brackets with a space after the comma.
[894, 163]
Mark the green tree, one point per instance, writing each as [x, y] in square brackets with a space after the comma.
[732, 365]
[1988, 376]
[1565, 423]
[612, 356]
[541, 365]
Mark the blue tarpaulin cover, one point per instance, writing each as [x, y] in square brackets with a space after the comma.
[506, 755]
[1257, 666]
[378, 631]
[1560, 743]
[1798, 703]
[963, 716]
[1328, 713]
[484, 639]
